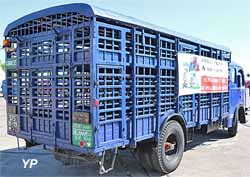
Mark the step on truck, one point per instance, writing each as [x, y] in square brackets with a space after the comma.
[84, 80]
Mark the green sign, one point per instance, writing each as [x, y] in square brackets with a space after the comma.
[82, 135]
[10, 63]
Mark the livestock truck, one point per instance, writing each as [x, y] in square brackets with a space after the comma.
[84, 80]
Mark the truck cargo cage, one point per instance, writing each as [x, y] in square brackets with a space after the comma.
[82, 79]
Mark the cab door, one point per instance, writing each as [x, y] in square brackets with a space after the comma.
[237, 88]
[241, 87]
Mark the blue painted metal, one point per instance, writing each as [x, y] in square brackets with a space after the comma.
[123, 58]
[237, 92]
[122, 71]
[93, 83]
[133, 118]
[158, 100]
[198, 100]
[4, 88]
[84, 9]
[210, 121]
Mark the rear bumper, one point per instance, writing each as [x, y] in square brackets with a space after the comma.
[95, 151]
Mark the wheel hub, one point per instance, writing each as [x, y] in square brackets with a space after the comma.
[169, 146]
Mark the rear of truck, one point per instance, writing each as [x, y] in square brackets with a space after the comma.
[67, 84]
[50, 80]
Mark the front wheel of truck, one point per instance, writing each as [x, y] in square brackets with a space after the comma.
[166, 155]
[232, 131]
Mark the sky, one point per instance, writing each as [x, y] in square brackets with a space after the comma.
[225, 22]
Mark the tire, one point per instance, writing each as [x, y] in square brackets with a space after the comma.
[143, 151]
[242, 115]
[232, 131]
[154, 155]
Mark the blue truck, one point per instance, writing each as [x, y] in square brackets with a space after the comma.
[81, 79]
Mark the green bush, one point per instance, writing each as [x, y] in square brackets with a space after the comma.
[2, 65]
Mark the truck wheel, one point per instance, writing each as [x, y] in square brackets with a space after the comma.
[170, 146]
[144, 151]
[232, 131]
[166, 155]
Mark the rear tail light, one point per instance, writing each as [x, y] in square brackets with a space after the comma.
[96, 102]
[6, 43]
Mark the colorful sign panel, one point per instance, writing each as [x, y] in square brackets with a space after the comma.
[12, 119]
[82, 135]
[199, 74]
[82, 131]
[10, 63]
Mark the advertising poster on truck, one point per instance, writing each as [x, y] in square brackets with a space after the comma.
[200, 74]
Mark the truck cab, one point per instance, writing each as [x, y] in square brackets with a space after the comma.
[247, 92]
[237, 91]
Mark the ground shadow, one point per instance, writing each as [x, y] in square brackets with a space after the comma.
[12, 164]
[202, 139]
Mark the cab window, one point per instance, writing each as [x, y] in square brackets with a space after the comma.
[233, 75]
[240, 79]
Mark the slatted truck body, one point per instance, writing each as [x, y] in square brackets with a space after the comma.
[88, 80]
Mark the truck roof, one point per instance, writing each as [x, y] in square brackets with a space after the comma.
[90, 11]
[235, 64]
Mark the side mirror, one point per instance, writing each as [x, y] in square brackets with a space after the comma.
[248, 75]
